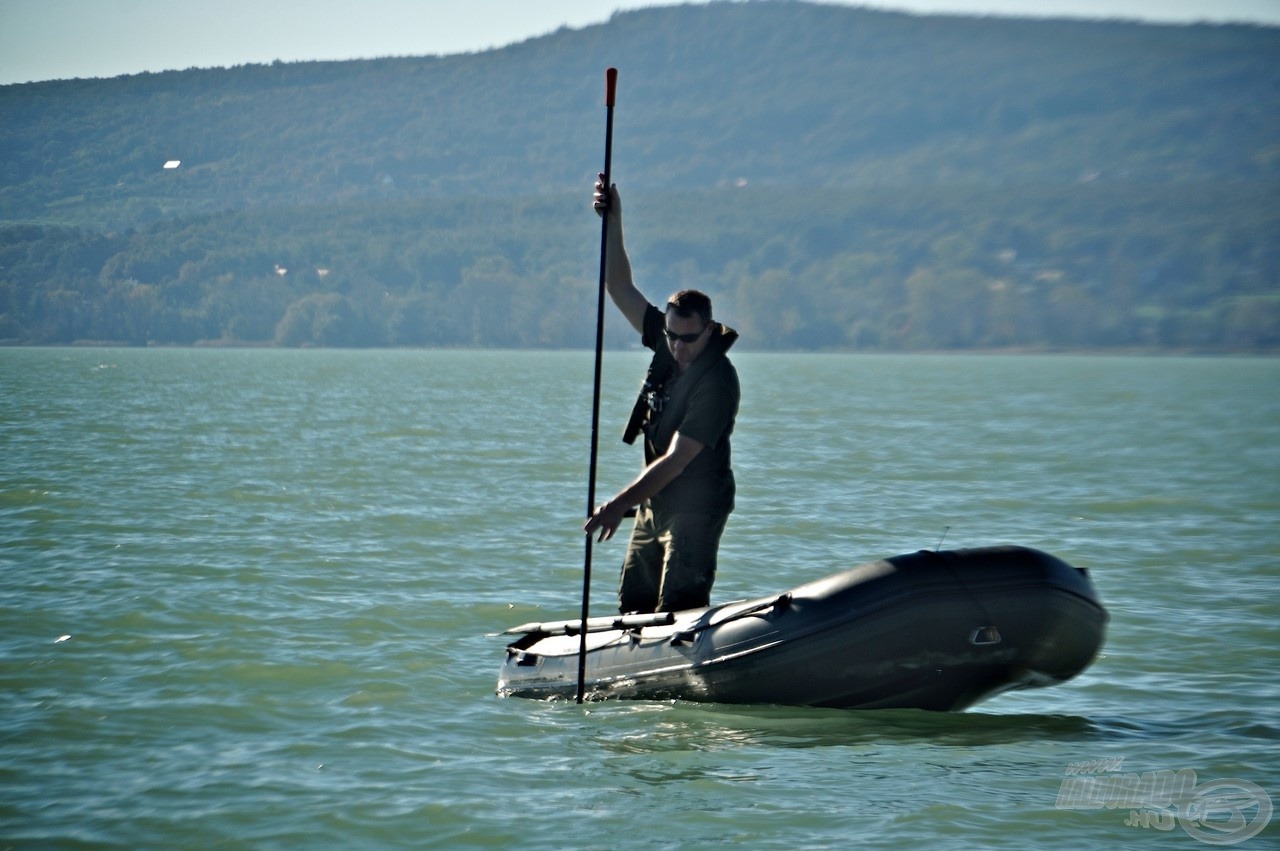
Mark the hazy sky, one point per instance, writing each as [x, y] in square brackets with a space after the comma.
[57, 39]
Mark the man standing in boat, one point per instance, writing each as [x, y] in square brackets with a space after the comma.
[686, 412]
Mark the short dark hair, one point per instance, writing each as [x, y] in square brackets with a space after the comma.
[688, 303]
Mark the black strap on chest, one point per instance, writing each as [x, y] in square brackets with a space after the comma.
[661, 370]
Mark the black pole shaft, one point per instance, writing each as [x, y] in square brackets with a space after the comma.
[611, 80]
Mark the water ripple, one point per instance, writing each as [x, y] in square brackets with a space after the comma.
[248, 596]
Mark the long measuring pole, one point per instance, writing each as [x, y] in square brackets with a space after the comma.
[610, 86]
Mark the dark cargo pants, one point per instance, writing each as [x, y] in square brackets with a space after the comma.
[671, 561]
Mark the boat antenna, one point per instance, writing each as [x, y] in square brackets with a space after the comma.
[943, 538]
[610, 85]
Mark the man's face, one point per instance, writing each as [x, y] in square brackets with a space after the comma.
[681, 327]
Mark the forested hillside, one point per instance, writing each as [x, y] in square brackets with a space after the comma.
[836, 178]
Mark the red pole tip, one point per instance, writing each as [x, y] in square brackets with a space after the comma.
[610, 85]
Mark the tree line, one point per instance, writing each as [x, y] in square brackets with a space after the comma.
[1188, 267]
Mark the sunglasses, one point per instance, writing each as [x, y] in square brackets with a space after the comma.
[684, 338]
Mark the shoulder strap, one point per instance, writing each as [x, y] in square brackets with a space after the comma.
[660, 370]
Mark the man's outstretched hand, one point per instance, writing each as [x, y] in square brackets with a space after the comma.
[607, 519]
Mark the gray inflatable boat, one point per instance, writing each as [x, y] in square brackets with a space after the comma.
[928, 630]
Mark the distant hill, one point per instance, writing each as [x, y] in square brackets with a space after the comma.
[837, 177]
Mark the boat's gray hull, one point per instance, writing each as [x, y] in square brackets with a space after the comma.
[930, 630]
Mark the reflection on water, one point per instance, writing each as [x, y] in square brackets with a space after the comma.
[709, 727]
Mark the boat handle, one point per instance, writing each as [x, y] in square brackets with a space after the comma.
[779, 603]
[985, 635]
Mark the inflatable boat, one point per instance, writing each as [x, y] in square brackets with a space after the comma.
[928, 630]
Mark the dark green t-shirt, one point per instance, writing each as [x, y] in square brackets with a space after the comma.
[701, 404]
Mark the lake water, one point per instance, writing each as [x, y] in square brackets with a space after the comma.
[246, 600]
